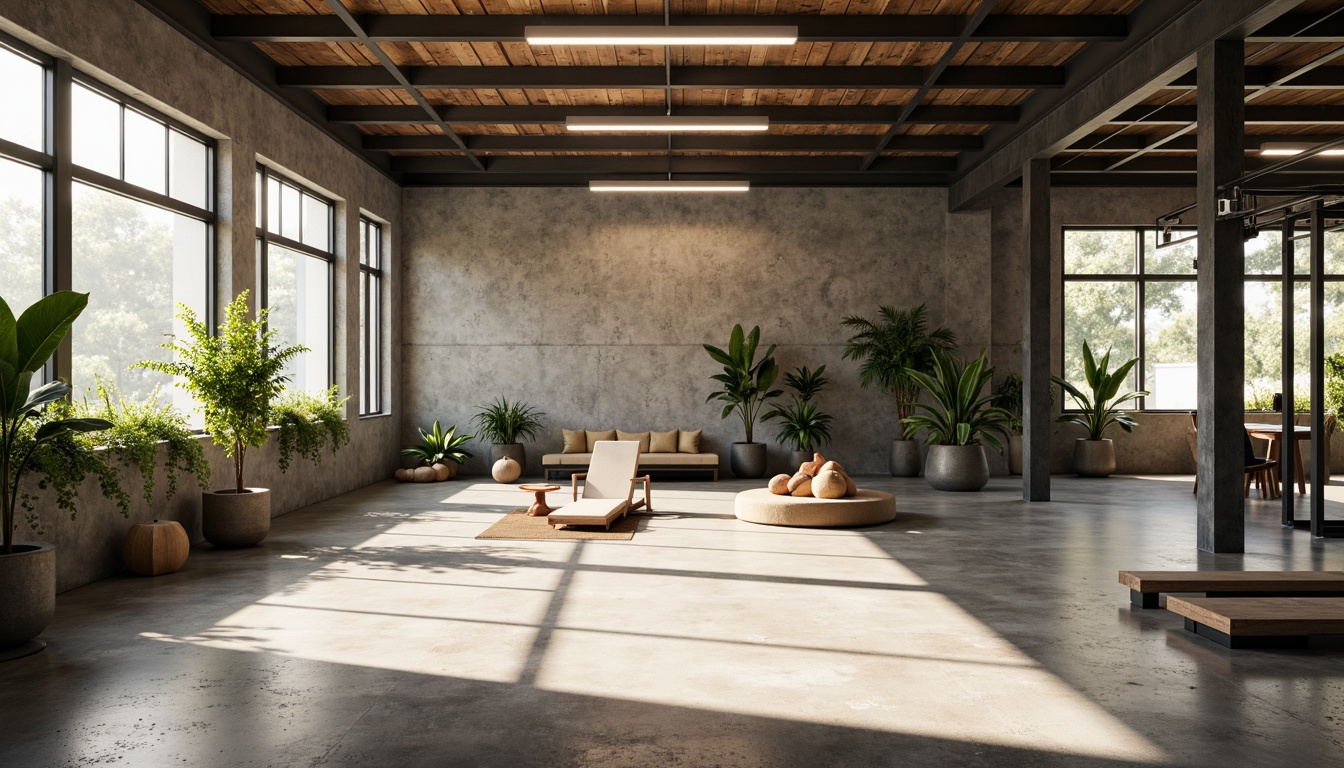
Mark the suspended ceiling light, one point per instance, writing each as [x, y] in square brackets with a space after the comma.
[1284, 148]
[669, 124]
[645, 34]
[669, 185]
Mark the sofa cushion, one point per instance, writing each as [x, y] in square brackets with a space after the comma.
[688, 441]
[663, 442]
[576, 441]
[641, 437]
[593, 437]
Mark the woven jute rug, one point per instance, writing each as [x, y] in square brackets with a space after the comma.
[519, 526]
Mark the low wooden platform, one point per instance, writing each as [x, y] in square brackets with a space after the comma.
[1146, 586]
[1261, 622]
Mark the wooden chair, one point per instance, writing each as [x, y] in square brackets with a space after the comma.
[1259, 470]
[608, 487]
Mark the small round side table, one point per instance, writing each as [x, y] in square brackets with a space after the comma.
[539, 507]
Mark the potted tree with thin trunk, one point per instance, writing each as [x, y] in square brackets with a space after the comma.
[897, 342]
[237, 375]
[1094, 455]
[744, 388]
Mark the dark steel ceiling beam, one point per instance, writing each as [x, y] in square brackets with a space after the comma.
[1152, 164]
[1276, 114]
[1128, 142]
[1301, 28]
[1319, 79]
[786, 115]
[675, 164]
[691, 143]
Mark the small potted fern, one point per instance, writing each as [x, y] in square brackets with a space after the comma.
[505, 424]
[439, 454]
[801, 423]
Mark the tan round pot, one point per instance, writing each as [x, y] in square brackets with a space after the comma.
[1094, 458]
[230, 520]
[28, 583]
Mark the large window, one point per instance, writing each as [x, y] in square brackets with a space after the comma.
[295, 255]
[370, 317]
[1124, 292]
[24, 176]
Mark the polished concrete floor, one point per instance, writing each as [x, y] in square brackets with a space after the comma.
[975, 630]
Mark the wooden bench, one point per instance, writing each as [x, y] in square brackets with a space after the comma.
[1146, 586]
[1261, 622]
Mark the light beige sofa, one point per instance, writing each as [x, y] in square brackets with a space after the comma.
[559, 465]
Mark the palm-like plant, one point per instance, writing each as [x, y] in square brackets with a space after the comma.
[1102, 408]
[898, 342]
[745, 382]
[802, 423]
[962, 413]
[436, 446]
[503, 423]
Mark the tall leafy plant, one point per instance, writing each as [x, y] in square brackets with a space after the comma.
[802, 424]
[962, 412]
[745, 382]
[236, 374]
[503, 423]
[897, 342]
[33, 435]
[1100, 406]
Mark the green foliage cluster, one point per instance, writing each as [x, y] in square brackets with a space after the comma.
[891, 346]
[745, 382]
[802, 424]
[236, 375]
[962, 413]
[503, 423]
[307, 422]
[1100, 406]
[1261, 398]
[1008, 396]
[437, 446]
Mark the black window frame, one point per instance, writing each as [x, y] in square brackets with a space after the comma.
[371, 338]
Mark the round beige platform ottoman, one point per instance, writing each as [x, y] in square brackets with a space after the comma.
[759, 505]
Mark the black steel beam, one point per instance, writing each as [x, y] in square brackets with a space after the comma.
[1301, 28]
[588, 78]
[549, 114]
[1276, 114]
[757, 180]
[831, 28]
[1320, 79]
[587, 166]
[1128, 142]
[690, 143]
[1097, 164]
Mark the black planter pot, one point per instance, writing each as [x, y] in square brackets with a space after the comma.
[747, 460]
[28, 582]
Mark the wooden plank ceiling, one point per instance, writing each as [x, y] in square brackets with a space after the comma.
[882, 93]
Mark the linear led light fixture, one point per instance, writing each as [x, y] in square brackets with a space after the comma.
[1284, 148]
[669, 124]
[645, 34]
[669, 185]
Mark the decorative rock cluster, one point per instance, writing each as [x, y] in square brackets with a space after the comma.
[818, 477]
[432, 474]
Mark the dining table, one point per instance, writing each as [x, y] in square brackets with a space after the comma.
[1273, 433]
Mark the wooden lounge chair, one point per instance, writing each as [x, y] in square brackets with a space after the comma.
[608, 487]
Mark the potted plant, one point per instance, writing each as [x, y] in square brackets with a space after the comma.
[307, 422]
[745, 386]
[441, 451]
[34, 437]
[897, 342]
[802, 424]
[959, 419]
[1008, 396]
[237, 376]
[1094, 455]
[504, 424]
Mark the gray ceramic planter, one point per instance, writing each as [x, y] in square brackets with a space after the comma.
[231, 520]
[957, 467]
[905, 458]
[1015, 454]
[28, 583]
[747, 460]
[798, 457]
[512, 450]
[1094, 458]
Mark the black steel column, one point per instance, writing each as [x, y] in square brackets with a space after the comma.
[1036, 414]
[58, 197]
[1317, 386]
[1286, 454]
[1221, 521]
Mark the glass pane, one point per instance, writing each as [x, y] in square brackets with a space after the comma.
[21, 234]
[1102, 314]
[297, 290]
[289, 212]
[1264, 343]
[375, 246]
[1264, 253]
[376, 343]
[1169, 325]
[146, 152]
[1175, 259]
[96, 128]
[316, 223]
[21, 89]
[363, 241]
[137, 262]
[1099, 251]
[273, 206]
[365, 395]
[1334, 254]
[189, 164]
[1334, 335]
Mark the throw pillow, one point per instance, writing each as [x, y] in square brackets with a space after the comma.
[641, 437]
[688, 441]
[593, 437]
[663, 442]
[576, 441]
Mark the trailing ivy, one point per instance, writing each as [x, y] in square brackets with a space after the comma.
[307, 421]
[62, 462]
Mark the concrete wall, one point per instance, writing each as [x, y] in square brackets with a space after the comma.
[122, 44]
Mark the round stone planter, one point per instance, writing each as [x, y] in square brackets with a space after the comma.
[957, 467]
[28, 583]
[905, 458]
[747, 460]
[231, 520]
[1094, 458]
[1015, 454]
